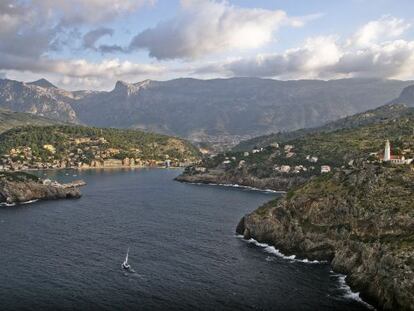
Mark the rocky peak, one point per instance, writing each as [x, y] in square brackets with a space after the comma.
[129, 88]
[406, 96]
[43, 83]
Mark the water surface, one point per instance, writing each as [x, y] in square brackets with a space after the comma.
[67, 255]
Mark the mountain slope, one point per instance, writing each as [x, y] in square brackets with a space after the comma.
[48, 102]
[78, 146]
[378, 115]
[234, 108]
[218, 110]
[280, 167]
[10, 119]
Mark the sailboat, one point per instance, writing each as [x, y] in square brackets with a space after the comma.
[125, 264]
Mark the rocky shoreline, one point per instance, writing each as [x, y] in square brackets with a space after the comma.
[361, 221]
[276, 184]
[20, 188]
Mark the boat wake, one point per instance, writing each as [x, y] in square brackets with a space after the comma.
[272, 250]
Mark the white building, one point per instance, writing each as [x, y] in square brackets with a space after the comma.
[325, 169]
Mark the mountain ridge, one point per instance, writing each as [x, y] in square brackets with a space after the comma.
[222, 111]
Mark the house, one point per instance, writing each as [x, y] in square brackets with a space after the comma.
[325, 169]
[246, 154]
[285, 168]
[49, 148]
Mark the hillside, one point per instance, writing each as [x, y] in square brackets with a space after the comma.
[378, 115]
[398, 107]
[280, 166]
[361, 220]
[219, 111]
[10, 119]
[83, 147]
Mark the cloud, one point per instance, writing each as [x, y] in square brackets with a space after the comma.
[33, 30]
[91, 37]
[90, 11]
[387, 27]
[204, 27]
[306, 61]
[328, 57]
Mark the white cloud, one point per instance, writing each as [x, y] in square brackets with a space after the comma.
[89, 11]
[385, 28]
[328, 57]
[203, 27]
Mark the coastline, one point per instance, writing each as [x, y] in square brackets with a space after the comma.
[234, 186]
[270, 249]
[278, 185]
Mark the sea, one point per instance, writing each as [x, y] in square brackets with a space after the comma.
[183, 250]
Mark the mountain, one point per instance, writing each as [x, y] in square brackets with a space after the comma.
[232, 109]
[43, 83]
[217, 110]
[64, 146]
[396, 108]
[406, 97]
[40, 98]
[381, 114]
[360, 220]
[10, 119]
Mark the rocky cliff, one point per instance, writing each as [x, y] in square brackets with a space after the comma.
[361, 220]
[20, 187]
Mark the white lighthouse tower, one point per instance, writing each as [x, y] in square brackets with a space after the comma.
[387, 151]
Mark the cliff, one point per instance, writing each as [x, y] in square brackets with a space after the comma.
[360, 220]
[21, 187]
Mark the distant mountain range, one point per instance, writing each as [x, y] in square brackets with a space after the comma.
[225, 110]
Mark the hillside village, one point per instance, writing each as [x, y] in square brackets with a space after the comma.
[93, 151]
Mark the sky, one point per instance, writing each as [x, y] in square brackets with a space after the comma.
[78, 44]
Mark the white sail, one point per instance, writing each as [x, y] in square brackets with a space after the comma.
[126, 258]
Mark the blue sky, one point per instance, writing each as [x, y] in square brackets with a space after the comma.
[92, 44]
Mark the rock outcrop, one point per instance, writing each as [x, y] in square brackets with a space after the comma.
[24, 189]
[360, 220]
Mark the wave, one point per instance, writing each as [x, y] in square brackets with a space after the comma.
[239, 186]
[349, 294]
[274, 251]
[7, 204]
[14, 204]
[30, 201]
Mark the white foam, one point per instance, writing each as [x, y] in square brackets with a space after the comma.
[238, 186]
[30, 201]
[348, 293]
[7, 204]
[274, 251]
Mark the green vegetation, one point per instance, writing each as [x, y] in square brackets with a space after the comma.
[64, 145]
[379, 115]
[10, 119]
[18, 176]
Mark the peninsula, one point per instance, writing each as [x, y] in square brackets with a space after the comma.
[20, 187]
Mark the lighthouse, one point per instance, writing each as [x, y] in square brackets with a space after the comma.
[387, 151]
